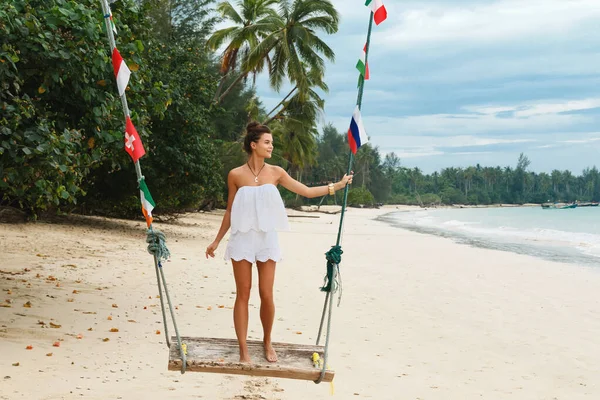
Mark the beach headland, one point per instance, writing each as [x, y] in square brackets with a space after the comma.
[420, 316]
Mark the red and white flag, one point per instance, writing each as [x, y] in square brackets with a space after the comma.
[133, 143]
[122, 72]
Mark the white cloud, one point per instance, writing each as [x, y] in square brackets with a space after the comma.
[581, 141]
[461, 141]
[558, 107]
[487, 22]
[471, 153]
[537, 108]
[473, 124]
[417, 154]
[488, 110]
[477, 120]
[428, 143]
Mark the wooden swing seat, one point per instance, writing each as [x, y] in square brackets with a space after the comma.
[222, 356]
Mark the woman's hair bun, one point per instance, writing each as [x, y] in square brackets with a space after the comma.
[252, 125]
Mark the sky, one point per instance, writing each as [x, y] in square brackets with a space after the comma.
[461, 82]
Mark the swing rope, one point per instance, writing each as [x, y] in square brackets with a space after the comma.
[334, 258]
[157, 246]
[156, 240]
[332, 280]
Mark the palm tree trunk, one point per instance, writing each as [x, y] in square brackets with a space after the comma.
[282, 109]
[219, 88]
[237, 80]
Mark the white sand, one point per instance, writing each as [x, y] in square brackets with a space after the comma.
[421, 317]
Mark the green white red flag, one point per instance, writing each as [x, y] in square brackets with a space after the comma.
[112, 22]
[379, 11]
[362, 66]
[147, 202]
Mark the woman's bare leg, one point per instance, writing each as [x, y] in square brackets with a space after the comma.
[242, 271]
[266, 277]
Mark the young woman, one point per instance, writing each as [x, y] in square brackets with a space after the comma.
[255, 212]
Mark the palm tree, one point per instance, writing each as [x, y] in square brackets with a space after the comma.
[468, 175]
[251, 25]
[292, 43]
[295, 143]
[556, 181]
[309, 100]
[287, 41]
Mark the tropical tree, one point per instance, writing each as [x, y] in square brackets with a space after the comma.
[307, 101]
[296, 145]
[293, 45]
[177, 21]
[251, 24]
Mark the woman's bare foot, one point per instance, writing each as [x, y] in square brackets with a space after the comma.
[244, 356]
[270, 353]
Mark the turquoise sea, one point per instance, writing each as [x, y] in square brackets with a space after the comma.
[571, 235]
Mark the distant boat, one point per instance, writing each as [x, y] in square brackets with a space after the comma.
[588, 204]
[558, 206]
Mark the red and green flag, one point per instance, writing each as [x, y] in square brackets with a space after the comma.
[362, 66]
[147, 202]
[112, 21]
[379, 11]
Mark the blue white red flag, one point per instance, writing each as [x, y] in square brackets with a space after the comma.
[357, 136]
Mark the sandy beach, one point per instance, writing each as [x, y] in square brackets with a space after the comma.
[421, 317]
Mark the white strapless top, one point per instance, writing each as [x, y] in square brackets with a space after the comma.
[258, 208]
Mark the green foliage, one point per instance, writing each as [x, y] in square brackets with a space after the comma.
[431, 199]
[402, 199]
[182, 167]
[61, 121]
[233, 113]
[41, 167]
[51, 106]
[180, 21]
[183, 160]
[360, 196]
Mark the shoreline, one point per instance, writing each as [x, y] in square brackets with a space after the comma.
[334, 209]
[544, 249]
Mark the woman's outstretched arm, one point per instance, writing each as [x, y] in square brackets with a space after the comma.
[293, 185]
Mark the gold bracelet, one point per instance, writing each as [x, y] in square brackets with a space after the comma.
[331, 189]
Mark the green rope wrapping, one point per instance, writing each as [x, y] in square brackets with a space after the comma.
[157, 245]
[334, 257]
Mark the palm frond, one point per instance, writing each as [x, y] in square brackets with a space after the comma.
[227, 11]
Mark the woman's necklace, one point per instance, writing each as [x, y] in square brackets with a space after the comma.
[255, 175]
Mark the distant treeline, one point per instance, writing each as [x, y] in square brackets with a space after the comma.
[384, 180]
